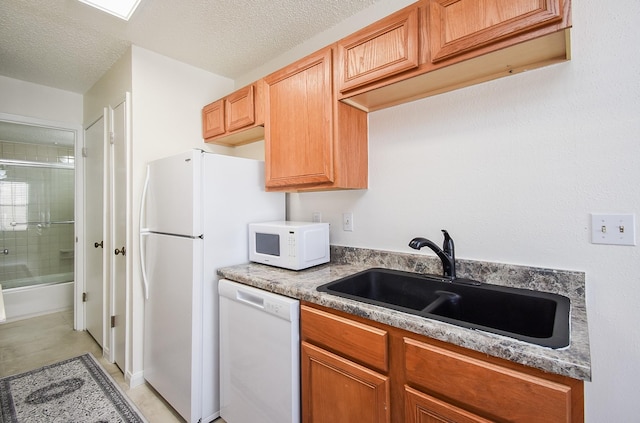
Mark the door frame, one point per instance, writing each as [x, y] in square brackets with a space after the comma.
[126, 100]
[105, 240]
[78, 308]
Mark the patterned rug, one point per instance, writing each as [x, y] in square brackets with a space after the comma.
[74, 390]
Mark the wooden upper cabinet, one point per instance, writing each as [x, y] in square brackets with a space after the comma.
[213, 119]
[386, 48]
[240, 108]
[298, 147]
[312, 142]
[460, 26]
[237, 118]
[460, 43]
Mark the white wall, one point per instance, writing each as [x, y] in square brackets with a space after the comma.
[109, 90]
[38, 101]
[512, 168]
[167, 99]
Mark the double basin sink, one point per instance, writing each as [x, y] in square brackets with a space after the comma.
[536, 317]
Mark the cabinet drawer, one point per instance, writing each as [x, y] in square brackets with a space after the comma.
[359, 342]
[486, 388]
[423, 408]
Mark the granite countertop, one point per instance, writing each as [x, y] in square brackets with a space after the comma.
[573, 361]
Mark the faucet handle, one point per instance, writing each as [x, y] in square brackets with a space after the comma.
[447, 245]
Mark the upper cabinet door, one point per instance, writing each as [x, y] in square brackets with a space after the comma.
[386, 48]
[460, 26]
[240, 109]
[213, 119]
[237, 118]
[299, 123]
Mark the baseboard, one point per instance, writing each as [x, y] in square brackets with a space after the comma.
[134, 379]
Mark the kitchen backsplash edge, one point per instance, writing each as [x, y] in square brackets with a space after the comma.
[563, 282]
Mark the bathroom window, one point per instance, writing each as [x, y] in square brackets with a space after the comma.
[14, 205]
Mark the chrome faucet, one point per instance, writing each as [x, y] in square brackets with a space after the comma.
[446, 254]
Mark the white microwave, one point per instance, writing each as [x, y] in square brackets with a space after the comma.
[288, 244]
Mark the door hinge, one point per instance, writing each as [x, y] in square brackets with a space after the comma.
[112, 137]
[84, 152]
[84, 297]
[113, 321]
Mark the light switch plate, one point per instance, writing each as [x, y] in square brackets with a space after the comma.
[347, 221]
[613, 229]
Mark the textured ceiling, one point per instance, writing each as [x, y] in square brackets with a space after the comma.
[68, 45]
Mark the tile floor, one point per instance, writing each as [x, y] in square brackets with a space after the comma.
[32, 343]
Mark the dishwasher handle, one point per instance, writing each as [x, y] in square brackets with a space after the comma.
[264, 301]
[250, 299]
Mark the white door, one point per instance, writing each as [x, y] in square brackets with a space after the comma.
[172, 322]
[118, 174]
[94, 229]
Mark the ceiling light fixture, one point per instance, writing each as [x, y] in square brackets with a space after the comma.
[120, 8]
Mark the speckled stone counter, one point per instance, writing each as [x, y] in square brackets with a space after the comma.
[573, 361]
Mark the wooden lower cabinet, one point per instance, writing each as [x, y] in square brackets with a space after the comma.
[336, 390]
[358, 370]
[423, 408]
[490, 389]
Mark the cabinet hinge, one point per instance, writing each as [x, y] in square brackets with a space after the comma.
[113, 321]
[84, 297]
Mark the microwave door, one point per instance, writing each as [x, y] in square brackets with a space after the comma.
[268, 244]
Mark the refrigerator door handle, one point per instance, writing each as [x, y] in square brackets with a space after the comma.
[143, 267]
[143, 231]
[143, 201]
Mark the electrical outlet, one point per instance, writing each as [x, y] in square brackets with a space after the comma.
[613, 229]
[347, 222]
[316, 217]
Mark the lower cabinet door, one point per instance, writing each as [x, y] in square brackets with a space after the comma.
[423, 408]
[337, 390]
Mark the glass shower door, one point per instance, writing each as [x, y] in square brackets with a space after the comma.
[36, 215]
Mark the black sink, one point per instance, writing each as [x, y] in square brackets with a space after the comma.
[537, 317]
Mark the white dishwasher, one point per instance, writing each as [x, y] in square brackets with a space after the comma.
[259, 355]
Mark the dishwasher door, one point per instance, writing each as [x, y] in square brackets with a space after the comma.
[259, 355]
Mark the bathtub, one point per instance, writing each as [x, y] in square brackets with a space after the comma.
[46, 294]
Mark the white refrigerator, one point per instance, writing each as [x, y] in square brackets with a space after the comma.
[193, 218]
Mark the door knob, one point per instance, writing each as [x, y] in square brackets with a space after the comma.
[118, 251]
[98, 244]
